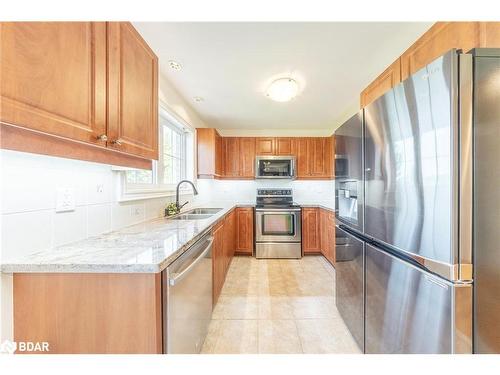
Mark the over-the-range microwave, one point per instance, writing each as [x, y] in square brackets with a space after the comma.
[275, 167]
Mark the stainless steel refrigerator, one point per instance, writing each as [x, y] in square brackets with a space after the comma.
[427, 211]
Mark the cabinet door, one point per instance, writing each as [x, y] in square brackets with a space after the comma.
[218, 262]
[284, 146]
[247, 157]
[54, 78]
[133, 92]
[439, 39]
[317, 151]
[265, 146]
[244, 231]
[302, 153]
[219, 155]
[310, 230]
[231, 147]
[323, 219]
[331, 242]
[383, 83]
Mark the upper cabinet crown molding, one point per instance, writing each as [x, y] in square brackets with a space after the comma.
[89, 82]
[439, 39]
[383, 83]
[436, 41]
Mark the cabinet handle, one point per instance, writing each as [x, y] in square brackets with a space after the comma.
[116, 142]
[102, 137]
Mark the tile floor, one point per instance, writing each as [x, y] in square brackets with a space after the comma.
[278, 306]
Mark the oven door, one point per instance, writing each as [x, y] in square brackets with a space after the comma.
[277, 225]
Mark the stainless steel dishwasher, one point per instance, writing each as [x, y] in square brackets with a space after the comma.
[187, 299]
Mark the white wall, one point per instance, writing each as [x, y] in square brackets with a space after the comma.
[29, 222]
[245, 190]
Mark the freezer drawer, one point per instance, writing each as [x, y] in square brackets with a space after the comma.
[409, 310]
[349, 271]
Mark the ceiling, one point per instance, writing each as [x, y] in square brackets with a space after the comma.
[230, 65]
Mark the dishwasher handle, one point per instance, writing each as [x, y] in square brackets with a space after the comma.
[176, 277]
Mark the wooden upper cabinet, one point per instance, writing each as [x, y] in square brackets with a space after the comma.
[247, 157]
[284, 146]
[219, 155]
[133, 92]
[245, 228]
[314, 157]
[439, 39]
[209, 153]
[54, 78]
[91, 82]
[489, 34]
[311, 242]
[265, 146]
[383, 83]
[321, 156]
[231, 147]
[302, 154]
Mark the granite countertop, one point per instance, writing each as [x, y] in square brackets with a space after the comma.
[149, 247]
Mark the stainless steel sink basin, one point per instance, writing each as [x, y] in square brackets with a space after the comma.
[203, 211]
[192, 216]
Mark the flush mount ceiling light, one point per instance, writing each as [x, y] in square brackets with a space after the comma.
[198, 99]
[174, 65]
[283, 90]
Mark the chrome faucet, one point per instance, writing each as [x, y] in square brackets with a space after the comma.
[178, 207]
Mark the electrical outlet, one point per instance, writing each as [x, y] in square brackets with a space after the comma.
[65, 199]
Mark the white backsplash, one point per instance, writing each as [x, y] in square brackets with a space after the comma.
[245, 190]
[29, 221]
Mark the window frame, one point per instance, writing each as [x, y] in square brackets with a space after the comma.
[155, 189]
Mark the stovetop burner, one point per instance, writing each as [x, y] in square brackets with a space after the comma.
[275, 198]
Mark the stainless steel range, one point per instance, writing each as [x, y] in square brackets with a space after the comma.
[277, 225]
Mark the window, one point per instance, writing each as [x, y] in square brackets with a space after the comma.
[175, 162]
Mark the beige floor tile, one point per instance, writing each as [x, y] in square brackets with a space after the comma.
[319, 336]
[237, 336]
[278, 337]
[278, 306]
[241, 308]
[275, 307]
[307, 307]
[212, 336]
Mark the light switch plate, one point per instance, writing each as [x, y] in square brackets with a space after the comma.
[65, 199]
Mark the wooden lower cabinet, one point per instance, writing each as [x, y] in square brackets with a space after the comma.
[224, 247]
[218, 269]
[311, 242]
[318, 232]
[88, 312]
[245, 230]
[329, 249]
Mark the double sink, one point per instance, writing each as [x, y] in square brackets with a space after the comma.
[197, 214]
